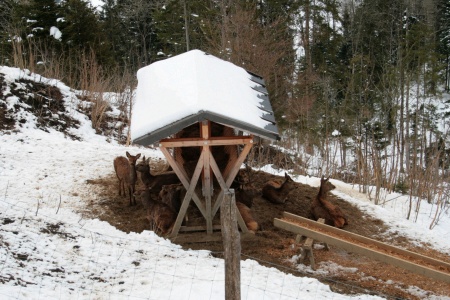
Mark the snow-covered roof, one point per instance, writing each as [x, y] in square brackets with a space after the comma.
[195, 86]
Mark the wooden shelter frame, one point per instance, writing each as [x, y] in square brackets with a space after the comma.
[207, 166]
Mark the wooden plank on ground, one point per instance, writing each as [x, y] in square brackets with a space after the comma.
[293, 224]
[201, 237]
[362, 239]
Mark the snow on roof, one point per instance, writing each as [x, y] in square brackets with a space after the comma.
[191, 87]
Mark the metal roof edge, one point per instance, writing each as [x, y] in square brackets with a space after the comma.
[166, 131]
[175, 127]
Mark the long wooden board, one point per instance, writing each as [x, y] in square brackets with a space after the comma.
[317, 231]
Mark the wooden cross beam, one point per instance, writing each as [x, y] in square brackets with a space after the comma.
[208, 166]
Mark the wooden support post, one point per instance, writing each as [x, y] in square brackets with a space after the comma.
[307, 248]
[206, 180]
[190, 192]
[207, 166]
[232, 246]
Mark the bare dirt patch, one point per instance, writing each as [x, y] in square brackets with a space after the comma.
[275, 247]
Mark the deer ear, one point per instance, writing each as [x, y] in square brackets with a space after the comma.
[128, 154]
[137, 156]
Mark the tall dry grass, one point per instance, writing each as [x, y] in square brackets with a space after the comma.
[98, 87]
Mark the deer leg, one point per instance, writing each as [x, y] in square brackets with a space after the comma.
[120, 187]
[129, 193]
[132, 195]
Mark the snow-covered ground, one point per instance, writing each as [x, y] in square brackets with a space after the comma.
[48, 250]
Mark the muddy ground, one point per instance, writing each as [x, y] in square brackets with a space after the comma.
[275, 247]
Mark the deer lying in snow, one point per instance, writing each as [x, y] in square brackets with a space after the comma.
[160, 215]
[155, 182]
[126, 174]
[277, 192]
[322, 208]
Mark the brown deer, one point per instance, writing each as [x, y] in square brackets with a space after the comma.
[277, 192]
[155, 182]
[245, 191]
[171, 195]
[160, 215]
[246, 214]
[126, 174]
[322, 208]
[246, 194]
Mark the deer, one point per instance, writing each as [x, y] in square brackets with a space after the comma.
[276, 192]
[245, 191]
[125, 168]
[322, 208]
[155, 182]
[246, 214]
[160, 215]
[171, 195]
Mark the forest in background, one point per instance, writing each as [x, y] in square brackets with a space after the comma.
[362, 84]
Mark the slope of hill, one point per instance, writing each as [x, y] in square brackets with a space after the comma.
[65, 234]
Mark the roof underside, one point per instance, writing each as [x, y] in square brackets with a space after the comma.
[178, 125]
[192, 87]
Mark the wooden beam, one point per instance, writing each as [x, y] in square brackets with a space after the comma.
[188, 185]
[207, 165]
[201, 237]
[197, 228]
[294, 225]
[231, 175]
[363, 239]
[200, 142]
[232, 172]
[225, 188]
[187, 198]
[179, 170]
[196, 238]
[206, 179]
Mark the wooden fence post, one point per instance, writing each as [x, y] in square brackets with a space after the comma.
[232, 246]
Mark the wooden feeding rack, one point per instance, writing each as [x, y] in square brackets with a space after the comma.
[201, 91]
[207, 167]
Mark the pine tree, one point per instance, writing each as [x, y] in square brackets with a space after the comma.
[443, 29]
[41, 16]
[185, 25]
[7, 26]
[82, 31]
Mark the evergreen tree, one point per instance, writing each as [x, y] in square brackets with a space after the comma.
[443, 29]
[185, 25]
[112, 26]
[82, 32]
[80, 26]
[41, 16]
[7, 9]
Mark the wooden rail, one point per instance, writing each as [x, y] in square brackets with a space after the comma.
[352, 242]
